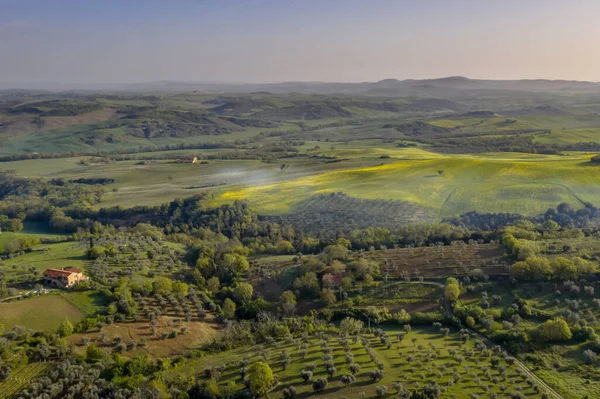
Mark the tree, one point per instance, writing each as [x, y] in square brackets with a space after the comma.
[162, 286]
[452, 290]
[376, 375]
[180, 289]
[287, 303]
[65, 329]
[563, 269]
[243, 292]
[398, 387]
[93, 353]
[347, 379]
[306, 375]
[381, 391]
[284, 247]
[590, 356]
[555, 330]
[213, 284]
[320, 384]
[229, 308]
[334, 252]
[328, 296]
[307, 284]
[351, 326]
[261, 378]
[236, 264]
[289, 392]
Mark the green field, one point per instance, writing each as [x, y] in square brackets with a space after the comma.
[30, 230]
[586, 135]
[61, 255]
[88, 302]
[44, 313]
[422, 356]
[449, 184]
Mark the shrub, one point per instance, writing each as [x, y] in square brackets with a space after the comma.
[320, 384]
[381, 391]
[376, 375]
[347, 379]
[306, 375]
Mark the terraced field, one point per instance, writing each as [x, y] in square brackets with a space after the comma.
[421, 356]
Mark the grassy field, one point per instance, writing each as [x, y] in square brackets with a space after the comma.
[30, 230]
[396, 295]
[422, 356]
[449, 184]
[586, 135]
[44, 313]
[446, 184]
[61, 255]
[86, 301]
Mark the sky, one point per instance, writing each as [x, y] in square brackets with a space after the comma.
[258, 41]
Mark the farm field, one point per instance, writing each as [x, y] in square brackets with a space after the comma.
[586, 135]
[196, 334]
[30, 230]
[398, 295]
[43, 313]
[451, 185]
[457, 220]
[21, 378]
[423, 355]
[562, 366]
[45, 256]
[440, 261]
[438, 184]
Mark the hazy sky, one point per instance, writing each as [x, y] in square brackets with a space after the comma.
[283, 40]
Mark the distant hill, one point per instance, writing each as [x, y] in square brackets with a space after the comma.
[387, 87]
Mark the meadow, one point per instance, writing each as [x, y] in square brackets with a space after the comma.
[451, 185]
[439, 184]
[43, 313]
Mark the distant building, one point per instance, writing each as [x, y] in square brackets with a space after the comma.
[332, 280]
[63, 278]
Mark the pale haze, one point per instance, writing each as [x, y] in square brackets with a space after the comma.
[274, 41]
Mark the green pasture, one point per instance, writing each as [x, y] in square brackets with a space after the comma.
[45, 256]
[43, 313]
[30, 230]
[451, 184]
[571, 136]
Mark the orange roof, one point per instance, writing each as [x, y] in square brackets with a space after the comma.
[335, 279]
[56, 273]
[73, 270]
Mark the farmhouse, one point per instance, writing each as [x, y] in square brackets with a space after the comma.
[63, 278]
[332, 280]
